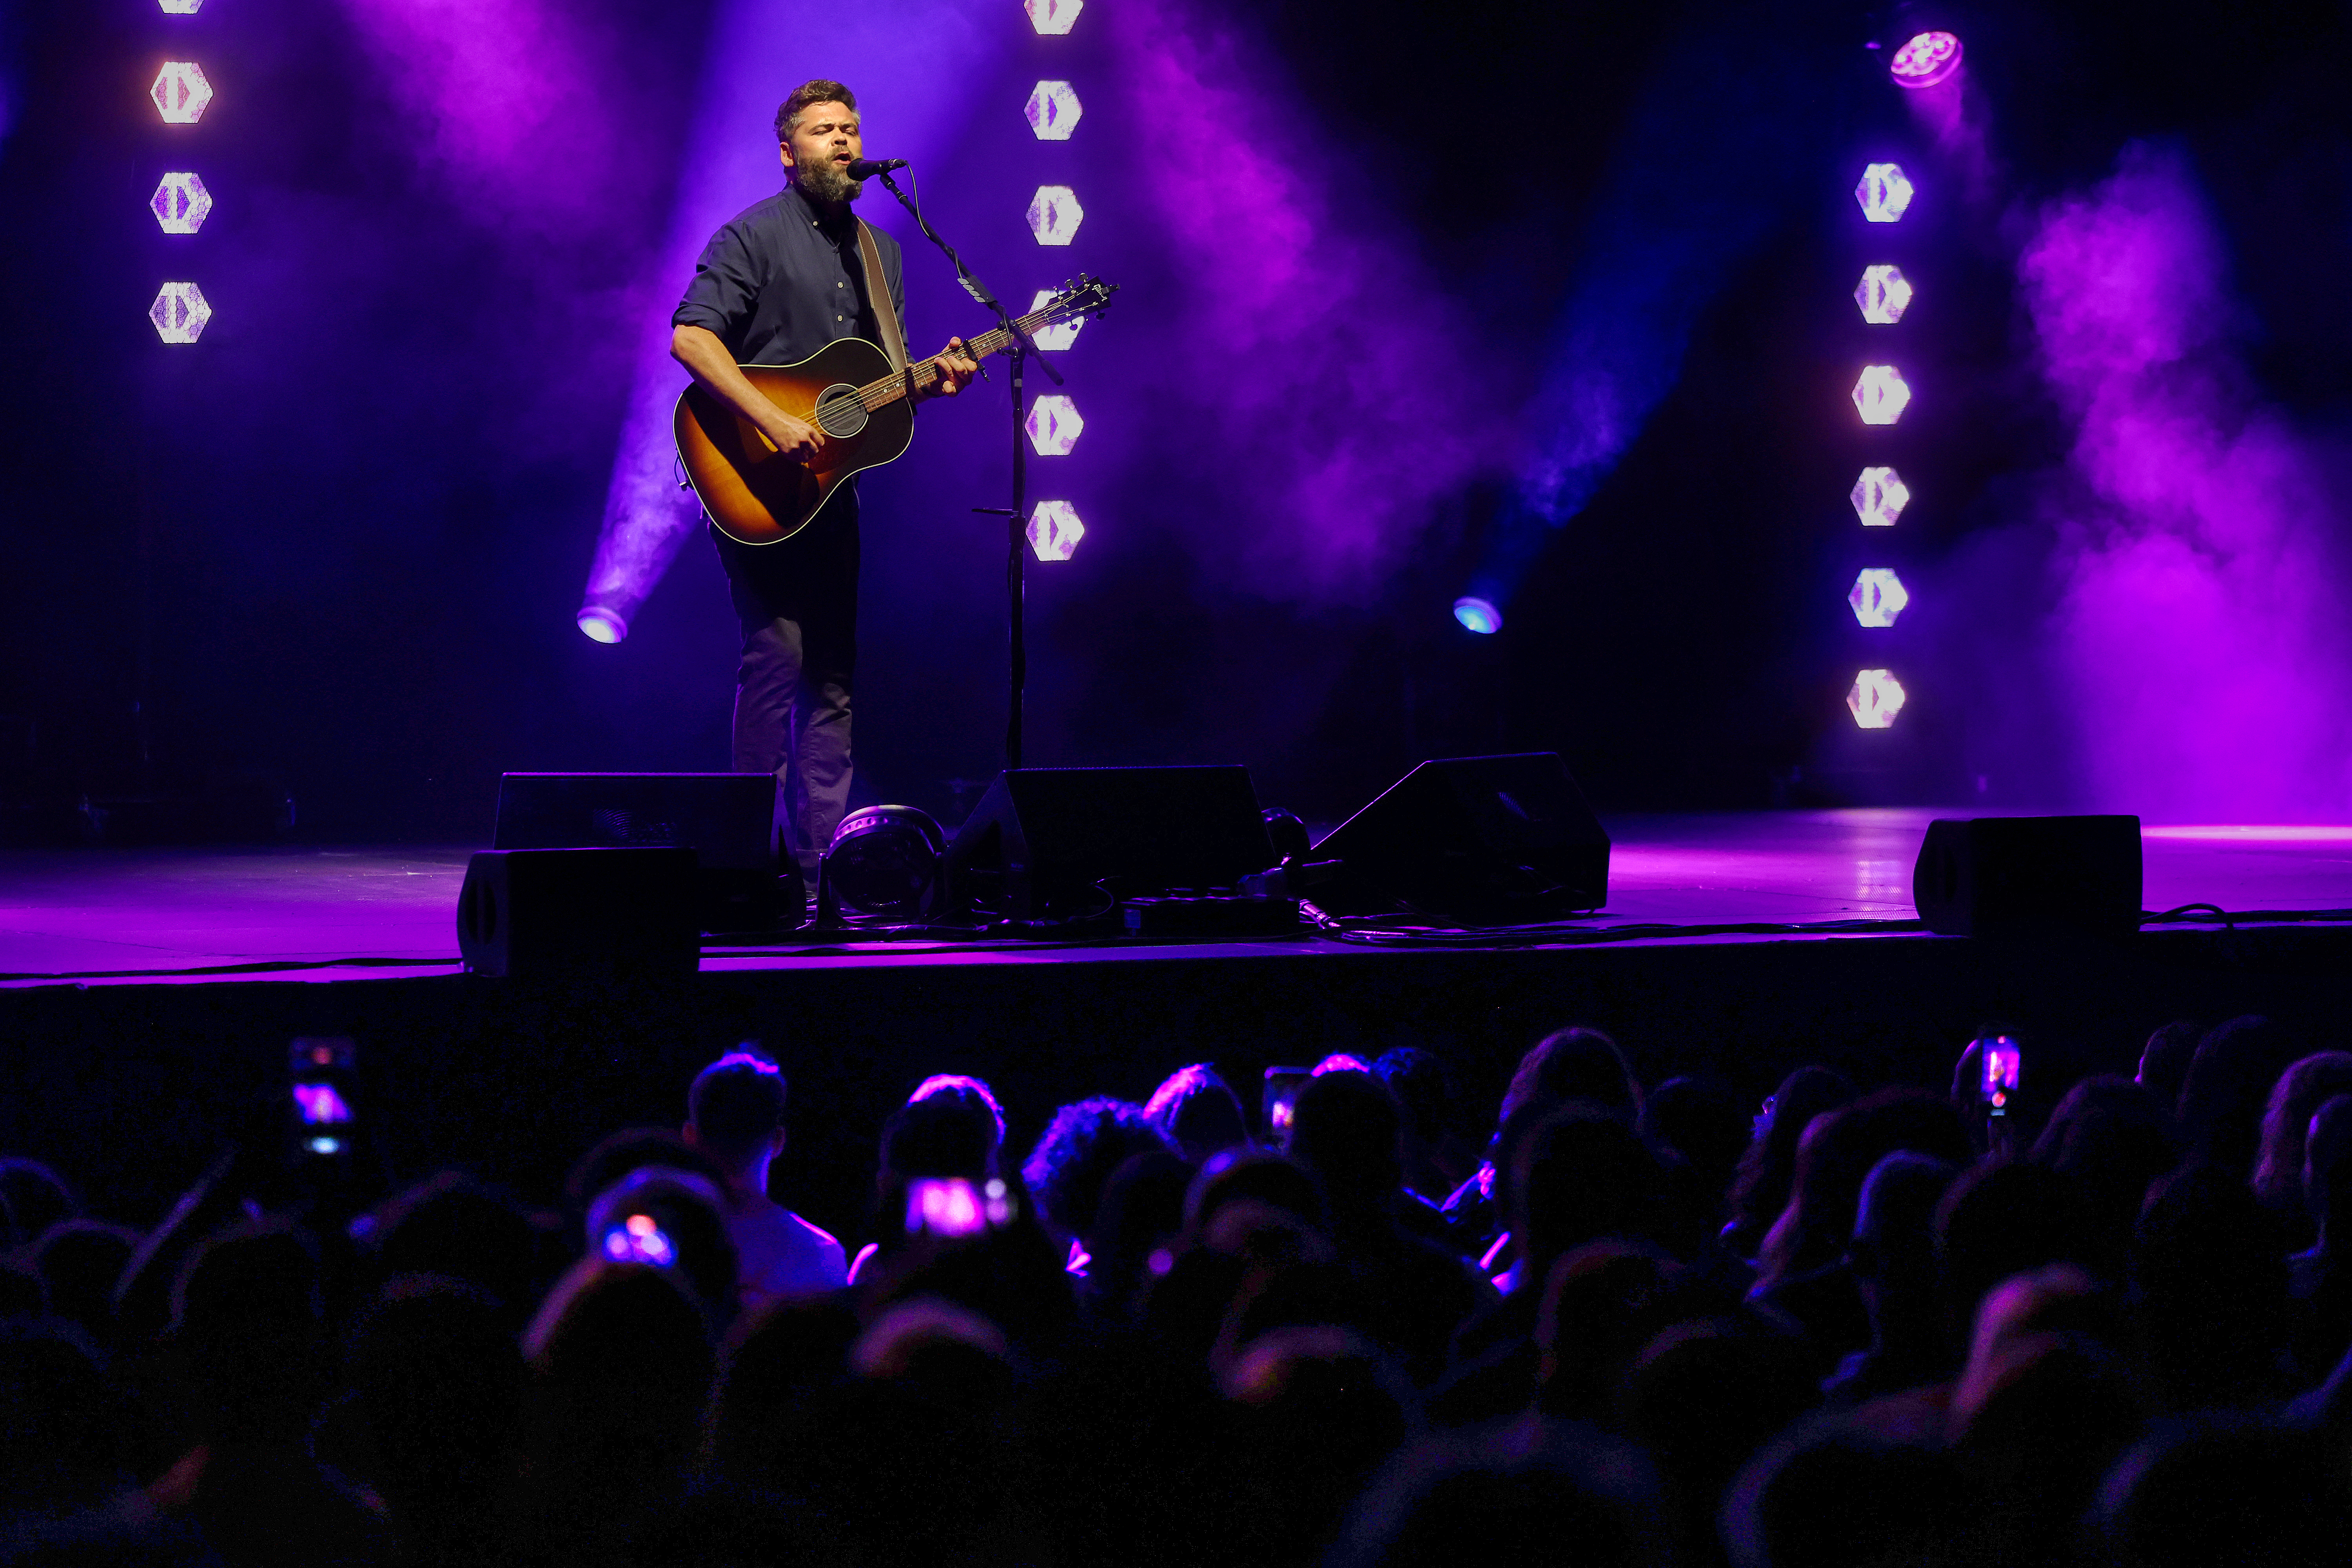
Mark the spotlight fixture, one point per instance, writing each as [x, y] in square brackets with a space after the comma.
[1880, 394]
[1055, 214]
[885, 860]
[179, 313]
[1054, 425]
[598, 623]
[1925, 61]
[1879, 497]
[1878, 596]
[1875, 698]
[181, 93]
[1883, 192]
[1479, 615]
[1054, 530]
[1053, 111]
[1883, 294]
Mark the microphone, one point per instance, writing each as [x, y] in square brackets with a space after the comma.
[866, 168]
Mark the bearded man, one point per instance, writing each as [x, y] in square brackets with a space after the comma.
[779, 281]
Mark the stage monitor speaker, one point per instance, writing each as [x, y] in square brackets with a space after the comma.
[2029, 876]
[562, 914]
[1503, 840]
[1041, 840]
[728, 820]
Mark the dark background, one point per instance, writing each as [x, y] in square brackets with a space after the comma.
[333, 552]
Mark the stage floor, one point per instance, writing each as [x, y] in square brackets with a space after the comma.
[127, 916]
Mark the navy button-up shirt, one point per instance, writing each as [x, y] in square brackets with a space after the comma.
[780, 281]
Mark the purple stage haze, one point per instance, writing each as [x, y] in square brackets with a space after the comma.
[2199, 633]
[1349, 382]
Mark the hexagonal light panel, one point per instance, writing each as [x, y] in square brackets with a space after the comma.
[181, 93]
[1053, 111]
[1883, 294]
[1055, 214]
[1875, 698]
[181, 7]
[180, 203]
[1878, 596]
[1884, 193]
[1061, 334]
[1050, 17]
[1880, 394]
[1054, 530]
[1054, 425]
[1879, 497]
[179, 313]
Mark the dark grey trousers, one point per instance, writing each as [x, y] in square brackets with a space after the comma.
[797, 603]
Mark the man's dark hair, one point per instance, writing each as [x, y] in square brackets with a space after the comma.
[1077, 1154]
[816, 89]
[736, 1103]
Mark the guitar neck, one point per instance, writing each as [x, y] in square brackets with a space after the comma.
[919, 376]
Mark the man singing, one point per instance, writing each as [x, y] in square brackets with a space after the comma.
[779, 282]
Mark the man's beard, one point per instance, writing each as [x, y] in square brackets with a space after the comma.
[829, 182]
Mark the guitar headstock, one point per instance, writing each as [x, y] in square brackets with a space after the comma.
[1082, 296]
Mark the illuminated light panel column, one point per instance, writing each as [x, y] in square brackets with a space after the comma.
[1878, 596]
[1880, 394]
[1053, 111]
[1883, 294]
[181, 93]
[1054, 530]
[1875, 698]
[180, 203]
[1879, 497]
[1055, 214]
[1054, 425]
[1884, 193]
[179, 313]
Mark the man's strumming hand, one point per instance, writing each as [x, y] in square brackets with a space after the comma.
[794, 439]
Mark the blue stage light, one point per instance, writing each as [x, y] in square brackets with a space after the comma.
[1478, 615]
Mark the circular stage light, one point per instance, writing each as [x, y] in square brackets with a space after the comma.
[1478, 615]
[601, 625]
[1928, 59]
[885, 860]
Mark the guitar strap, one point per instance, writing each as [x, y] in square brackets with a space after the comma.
[878, 297]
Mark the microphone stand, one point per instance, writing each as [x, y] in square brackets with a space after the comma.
[1024, 349]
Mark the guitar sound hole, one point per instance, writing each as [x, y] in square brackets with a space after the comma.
[839, 412]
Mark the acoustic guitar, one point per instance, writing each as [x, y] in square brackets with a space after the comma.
[848, 390]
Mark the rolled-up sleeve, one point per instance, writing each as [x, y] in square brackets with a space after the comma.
[725, 289]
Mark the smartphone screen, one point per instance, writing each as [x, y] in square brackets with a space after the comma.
[954, 1206]
[2001, 1062]
[1282, 1085]
[321, 1068]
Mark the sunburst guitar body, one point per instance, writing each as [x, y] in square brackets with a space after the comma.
[755, 495]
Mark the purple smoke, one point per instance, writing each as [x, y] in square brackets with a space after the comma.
[2200, 633]
[1348, 381]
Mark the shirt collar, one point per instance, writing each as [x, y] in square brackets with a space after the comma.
[813, 215]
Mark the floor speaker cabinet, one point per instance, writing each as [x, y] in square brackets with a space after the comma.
[2029, 875]
[566, 914]
[1503, 840]
[1055, 842]
[728, 820]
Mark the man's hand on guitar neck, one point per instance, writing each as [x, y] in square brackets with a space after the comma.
[706, 360]
[956, 367]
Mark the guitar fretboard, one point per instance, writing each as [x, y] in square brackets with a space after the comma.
[919, 376]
